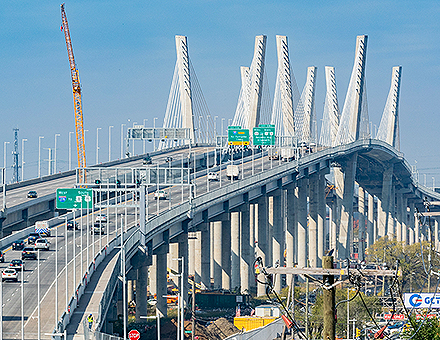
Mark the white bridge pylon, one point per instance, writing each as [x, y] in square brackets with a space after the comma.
[331, 114]
[186, 107]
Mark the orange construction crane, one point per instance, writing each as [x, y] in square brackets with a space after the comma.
[76, 87]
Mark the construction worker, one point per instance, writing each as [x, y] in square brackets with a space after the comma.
[90, 321]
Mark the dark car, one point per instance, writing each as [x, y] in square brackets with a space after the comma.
[72, 224]
[98, 228]
[29, 253]
[147, 159]
[169, 159]
[18, 245]
[33, 237]
[2, 256]
[32, 194]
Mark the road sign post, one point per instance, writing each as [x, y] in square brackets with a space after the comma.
[74, 198]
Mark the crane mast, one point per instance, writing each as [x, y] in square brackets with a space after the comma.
[76, 87]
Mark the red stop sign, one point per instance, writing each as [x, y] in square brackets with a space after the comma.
[134, 335]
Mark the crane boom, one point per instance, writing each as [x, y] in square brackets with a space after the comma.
[76, 87]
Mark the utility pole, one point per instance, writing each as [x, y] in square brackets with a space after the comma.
[328, 301]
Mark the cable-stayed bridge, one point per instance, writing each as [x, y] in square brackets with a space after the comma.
[287, 211]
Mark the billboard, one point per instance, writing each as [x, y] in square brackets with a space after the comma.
[422, 300]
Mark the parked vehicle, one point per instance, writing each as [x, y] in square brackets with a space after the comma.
[33, 237]
[18, 245]
[9, 274]
[16, 264]
[29, 253]
[42, 228]
[160, 194]
[213, 176]
[232, 171]
[42, 243]
[32, 194]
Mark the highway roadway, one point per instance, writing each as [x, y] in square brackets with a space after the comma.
[11, 290]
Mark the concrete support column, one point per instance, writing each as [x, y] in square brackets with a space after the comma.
[345, 231]
[362, 233]
[290, 228]
[141, 292]
[301, 202]
[260, 238]
[313, 220]
[276, 224]
[404, 214]
[235, 250]
[370, 221]
[399, 217]
[211, 251]
[411, 223]
[172, 256]
[161, 280]
[386, 203]
[205, 251]
[130, 291]
[418, 237]
[217, 250]
[192, 258]
[152, 274]
[322, 216]
[226, 254]
[246, 250]
[196, 255]
[252, 283]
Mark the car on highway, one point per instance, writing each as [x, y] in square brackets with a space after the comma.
[33, 237]
[98, 228]
[42, 243]
[9, 274]
[147, 160]
[2, 256]
[72, 224]
[169, 159]
[32, 194]
[16, 264]
[160, 195]
[29, 253]
[18, 245]
[101, 218]
[213, 176]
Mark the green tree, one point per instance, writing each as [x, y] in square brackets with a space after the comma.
[429, 330]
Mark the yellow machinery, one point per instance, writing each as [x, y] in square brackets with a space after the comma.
[76, 87]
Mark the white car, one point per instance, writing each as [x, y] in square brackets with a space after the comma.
[9, 274]
[213, 176]
[160, 194]
[101, 218]
[42, 243]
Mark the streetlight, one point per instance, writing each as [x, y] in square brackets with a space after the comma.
[221, 133]
[4, 156]
[49, 160]
[70, 150]
[110, 142]
[55, 156]
[154, 128]
[39, 155]
[144, 146]
[215, 126]
[97, 145]
[22, 158]
[122, 140]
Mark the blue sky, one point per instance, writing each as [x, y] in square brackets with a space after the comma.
[125, 52]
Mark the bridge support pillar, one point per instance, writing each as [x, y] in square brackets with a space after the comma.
[313, 220]
[289, 205]
[252, 283]
[261, 238]
[152, 274]
[217, 249]
[226, 254]
[194, 255]
[346, 227]
[246, 250]
[404, 216]
[141, 292]
[173, 254]
[301, 209]
[129, 291]
[183, 265]
[362, 234]
[222, 252]
[399, 217]
[205, 252]
[370, 220]
[235, 249]
[161, 280]
[385, 225]
[276, 226]
[411, 223]
[322, 217]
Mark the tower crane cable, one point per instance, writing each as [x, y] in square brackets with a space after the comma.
[77, 104]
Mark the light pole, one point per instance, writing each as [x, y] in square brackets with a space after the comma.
[215, 127]
[70, 150]
[55, 156]
[110, 142]
[4, 157]
[207, 129]
[144, 142]
[122, 140]
[97, 145]
[49, 160]
[154, 127]
[39, 155]
[22, 158]
[221, 133]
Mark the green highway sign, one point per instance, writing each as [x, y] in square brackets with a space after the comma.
[238, 136]
[264, 134]
[74, 198]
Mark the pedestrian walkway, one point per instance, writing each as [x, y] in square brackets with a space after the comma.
[89, 302]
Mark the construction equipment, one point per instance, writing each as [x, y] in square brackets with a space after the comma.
[76, 87]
